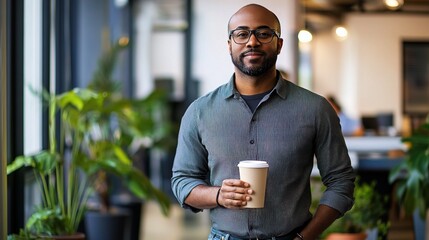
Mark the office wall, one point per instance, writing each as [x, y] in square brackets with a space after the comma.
[365, 71]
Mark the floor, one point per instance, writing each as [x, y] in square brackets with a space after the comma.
[401, 226]
[180, 225]
[401, 230]
[183, 225]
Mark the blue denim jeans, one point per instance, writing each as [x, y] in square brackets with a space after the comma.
[219, 235]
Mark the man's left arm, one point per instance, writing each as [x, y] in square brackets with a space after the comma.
[336, 172]
[322, 219]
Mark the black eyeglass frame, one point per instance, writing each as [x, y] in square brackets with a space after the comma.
[253, 31]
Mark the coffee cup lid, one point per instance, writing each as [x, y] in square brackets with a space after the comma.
[253, 164]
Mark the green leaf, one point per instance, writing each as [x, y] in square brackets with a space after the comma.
[19, 162]
[44, 162]
[412, 176]
[140, 185]
[121, 155]
[83, 100]
[48, 222]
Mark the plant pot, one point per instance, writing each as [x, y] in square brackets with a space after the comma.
[372, 234]
[134, 207]
[76, 236]
[427, 225]
[346, 236]
[421, 231]
[106, 226]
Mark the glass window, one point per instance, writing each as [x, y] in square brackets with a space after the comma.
[32, 100]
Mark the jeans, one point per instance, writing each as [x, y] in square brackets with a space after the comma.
[219, 235]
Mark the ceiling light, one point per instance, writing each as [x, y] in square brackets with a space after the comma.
[305, 36]
[393, 4]
[340, 32]
[121, 3]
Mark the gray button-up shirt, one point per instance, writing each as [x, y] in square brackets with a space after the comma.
[290, 126]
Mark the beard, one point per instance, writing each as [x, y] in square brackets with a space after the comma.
[268, 62]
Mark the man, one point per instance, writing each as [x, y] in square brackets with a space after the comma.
[259, 115]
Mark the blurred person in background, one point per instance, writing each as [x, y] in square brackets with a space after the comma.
[349, 126]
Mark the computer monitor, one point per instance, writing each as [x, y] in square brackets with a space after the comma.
[385, 120]
[377, 124]
[370, 125]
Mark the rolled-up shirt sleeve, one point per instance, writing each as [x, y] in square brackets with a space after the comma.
[334, 162]
[190, 167]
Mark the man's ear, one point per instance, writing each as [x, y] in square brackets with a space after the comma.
[279, 45]
[229, 47]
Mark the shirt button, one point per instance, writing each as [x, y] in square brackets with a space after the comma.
[252, 141]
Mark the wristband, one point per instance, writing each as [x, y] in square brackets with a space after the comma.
[217, 198]
[299, 236]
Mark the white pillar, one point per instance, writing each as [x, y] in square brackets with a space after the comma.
[145, 13]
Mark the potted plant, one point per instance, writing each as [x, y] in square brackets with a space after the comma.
[140, 123]
[123, 122]
[68, 182]
[62, 208]
[365, 215]
[411, 177]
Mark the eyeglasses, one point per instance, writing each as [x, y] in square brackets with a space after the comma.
[264, 35]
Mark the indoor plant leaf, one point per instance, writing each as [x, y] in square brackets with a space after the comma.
[43, 161]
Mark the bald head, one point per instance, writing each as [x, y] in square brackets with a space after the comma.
[253, 13]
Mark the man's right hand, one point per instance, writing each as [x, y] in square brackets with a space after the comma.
[234, 193]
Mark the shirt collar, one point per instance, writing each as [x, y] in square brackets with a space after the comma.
[280, 88]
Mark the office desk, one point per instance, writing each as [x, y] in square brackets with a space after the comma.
[374, 144]
[366, 163]
[370, 154]
[378, 164]
[373, 152]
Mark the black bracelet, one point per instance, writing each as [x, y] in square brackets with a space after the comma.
[217, 198]
[300, 236]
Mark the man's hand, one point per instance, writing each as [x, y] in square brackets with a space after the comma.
[234, 193]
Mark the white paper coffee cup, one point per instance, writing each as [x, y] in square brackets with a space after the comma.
[255, 173]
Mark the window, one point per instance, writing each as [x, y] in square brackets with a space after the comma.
[416, 77]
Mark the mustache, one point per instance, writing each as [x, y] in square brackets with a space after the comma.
[252, 51]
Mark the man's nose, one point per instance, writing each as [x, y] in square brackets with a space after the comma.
[253, 40]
